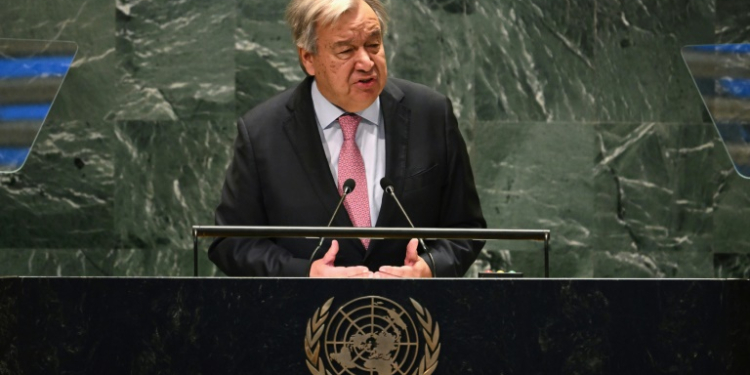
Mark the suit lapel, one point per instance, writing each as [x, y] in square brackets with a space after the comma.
[396, 122]
[301, 129]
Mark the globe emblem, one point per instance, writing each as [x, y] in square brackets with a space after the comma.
[371, 335]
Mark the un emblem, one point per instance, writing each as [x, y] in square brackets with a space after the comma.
[371, 335]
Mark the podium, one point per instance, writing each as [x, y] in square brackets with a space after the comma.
[306, 326]
[541, 235]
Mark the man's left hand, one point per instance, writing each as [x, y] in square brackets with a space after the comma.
[414, 266]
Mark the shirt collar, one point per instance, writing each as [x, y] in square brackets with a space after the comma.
[327, 113]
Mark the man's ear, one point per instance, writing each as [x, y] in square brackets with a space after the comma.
[306, 59]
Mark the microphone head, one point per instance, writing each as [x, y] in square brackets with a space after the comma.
[386, 183]
[349, 185]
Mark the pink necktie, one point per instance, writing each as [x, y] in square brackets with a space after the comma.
[352, 166]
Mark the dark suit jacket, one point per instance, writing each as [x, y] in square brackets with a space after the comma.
[280, 176]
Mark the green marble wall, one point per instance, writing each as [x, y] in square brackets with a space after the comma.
[580, 118]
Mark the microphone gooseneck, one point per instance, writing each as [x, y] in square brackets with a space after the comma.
[348, 187]
[387, 186]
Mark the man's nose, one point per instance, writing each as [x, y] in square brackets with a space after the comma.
[363, 60]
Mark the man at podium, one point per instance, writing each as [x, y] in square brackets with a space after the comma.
[347, 120]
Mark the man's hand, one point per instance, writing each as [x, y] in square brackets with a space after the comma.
[324, 267]
[414, 266]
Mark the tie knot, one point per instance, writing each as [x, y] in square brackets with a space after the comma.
[349, 123]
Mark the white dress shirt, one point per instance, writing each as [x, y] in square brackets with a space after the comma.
[370, 139]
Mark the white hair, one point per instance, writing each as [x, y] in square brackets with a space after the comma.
[303, 16]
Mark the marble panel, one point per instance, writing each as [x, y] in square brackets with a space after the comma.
[538, 176]
[640, 75]
[564, 262]
[431, 43]
[266, 62]
[732, 265]
[175, 59]
[526, 77]
[732, 21]
[169, 177]
[659, 264]
[534, 60]
[87, 92]
[731, 234]
[57, 262]
[262, 10]
[656, 186]
[166, 262]
[63, 196]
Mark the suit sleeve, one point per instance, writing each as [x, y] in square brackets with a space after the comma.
[242, 204]
[459, 206]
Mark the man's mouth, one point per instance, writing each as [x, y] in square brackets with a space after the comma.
[366, 80]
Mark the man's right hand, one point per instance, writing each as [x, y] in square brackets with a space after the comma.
[324, 267]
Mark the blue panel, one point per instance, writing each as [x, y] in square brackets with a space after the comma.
[13, 156]
[726, 48]
[720, 73]
[734, 132]
[35, 67]
[24, 112]
[738, 88]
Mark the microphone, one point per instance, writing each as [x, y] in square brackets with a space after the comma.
[348, 187]
[387, 186]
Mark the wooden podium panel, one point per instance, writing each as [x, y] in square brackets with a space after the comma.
[302, 326]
